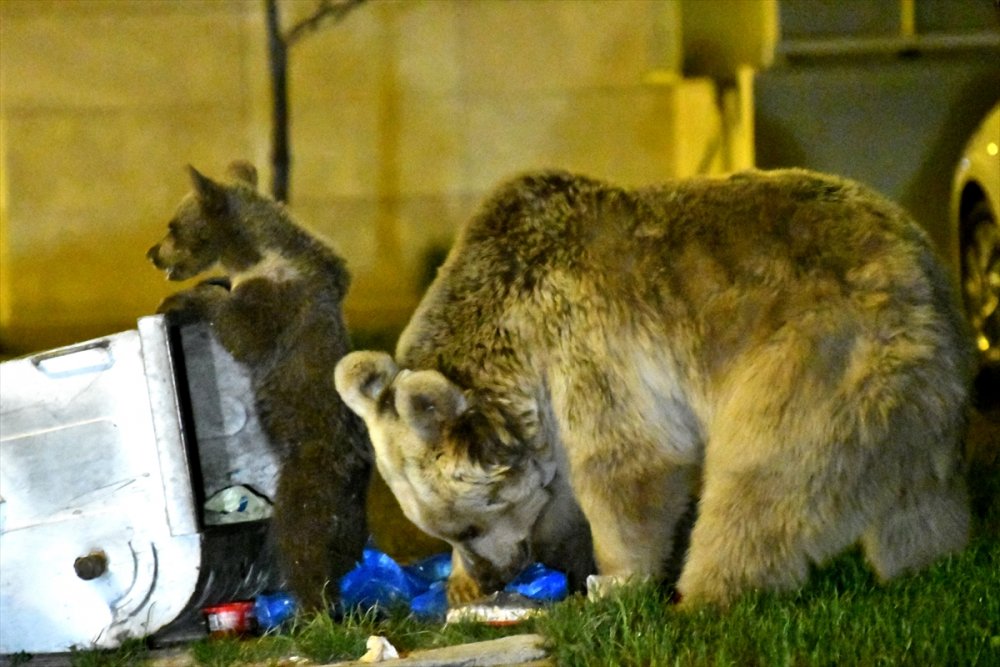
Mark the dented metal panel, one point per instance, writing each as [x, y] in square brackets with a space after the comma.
[81, 476]
[101, 485]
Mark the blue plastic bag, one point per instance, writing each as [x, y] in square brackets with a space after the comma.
[379, 581]
[538, 582]
[431, 569]
[432, 604]
[271, 610]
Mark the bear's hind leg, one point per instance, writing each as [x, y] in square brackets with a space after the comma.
[748, 535]
[319, 519]
[924, 522]
[784, 482]
[925, 513]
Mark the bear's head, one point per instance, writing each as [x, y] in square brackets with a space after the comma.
[453, 470]
[205, 228]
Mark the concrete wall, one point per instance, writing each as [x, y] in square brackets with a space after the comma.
[403, 116]
[103, 103]
[887, 92]
[899, 126]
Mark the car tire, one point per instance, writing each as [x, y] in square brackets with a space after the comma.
[980, 257]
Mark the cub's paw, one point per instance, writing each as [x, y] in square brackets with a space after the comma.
[198, 304]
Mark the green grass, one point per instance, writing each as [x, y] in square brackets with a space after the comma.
[946, 615]
[322, 640]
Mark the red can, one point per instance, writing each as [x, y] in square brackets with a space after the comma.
[230, 618]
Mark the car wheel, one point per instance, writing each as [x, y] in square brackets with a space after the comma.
[981, 280]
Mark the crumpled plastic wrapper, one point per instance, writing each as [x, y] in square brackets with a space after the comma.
[499, 609]
[379, 650]
[235, 504]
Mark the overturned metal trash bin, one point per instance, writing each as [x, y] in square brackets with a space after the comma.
[108, 451]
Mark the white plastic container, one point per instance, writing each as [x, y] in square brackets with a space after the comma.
[108, 449]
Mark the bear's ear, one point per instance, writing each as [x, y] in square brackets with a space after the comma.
[426, 400]
[244, 172]
[361, 377]
[212, 195]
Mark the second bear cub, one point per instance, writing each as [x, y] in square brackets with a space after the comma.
[281, 317]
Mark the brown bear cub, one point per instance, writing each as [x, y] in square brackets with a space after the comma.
[782, 346]
[280, 316]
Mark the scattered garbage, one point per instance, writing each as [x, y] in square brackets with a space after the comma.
[379, 649]
[501, 608]
[537, 582]
[272, 610]
[431, 569]
[235, 504]
[379, 581]
[230, 618]
[245, 617]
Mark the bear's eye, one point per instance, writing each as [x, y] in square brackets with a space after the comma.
[470, 533]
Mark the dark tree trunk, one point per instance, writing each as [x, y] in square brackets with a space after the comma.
[278, 43]
[278, 56]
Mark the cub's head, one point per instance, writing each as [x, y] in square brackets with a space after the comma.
[205, 226]
[456, 473]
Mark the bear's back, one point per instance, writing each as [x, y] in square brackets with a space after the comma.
[733, 259]
[557, 221]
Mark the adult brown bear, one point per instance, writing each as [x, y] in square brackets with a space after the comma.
[783, 346]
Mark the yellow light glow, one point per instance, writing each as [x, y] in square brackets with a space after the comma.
[991, 149]
[983, 342]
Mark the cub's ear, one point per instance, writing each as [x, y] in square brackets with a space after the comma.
[212, 195]
[361, 377]
[426, 400]
[244, 172]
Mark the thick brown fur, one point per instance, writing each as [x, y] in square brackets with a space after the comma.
[282, 318]
[783, 346]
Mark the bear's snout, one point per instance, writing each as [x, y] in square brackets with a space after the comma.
[492, 576]
[153, 255]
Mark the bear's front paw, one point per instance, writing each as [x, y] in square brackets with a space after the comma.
[602, 585]
[179, 309]
[198, 304]
[462, 589]
[718, 591]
